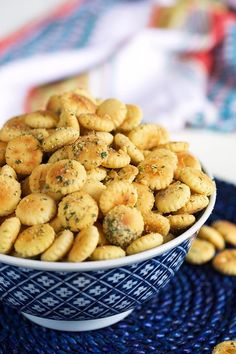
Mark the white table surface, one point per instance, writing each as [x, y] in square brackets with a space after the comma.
[216, 150]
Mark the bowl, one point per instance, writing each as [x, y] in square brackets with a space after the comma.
[91, 295]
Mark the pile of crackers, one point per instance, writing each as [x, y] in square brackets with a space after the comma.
[84, 179]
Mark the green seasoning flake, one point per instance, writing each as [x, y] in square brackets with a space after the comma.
[154, 168]
[103, 154]
[59, 178]
[67, 183]
[18, 162]
[141, 168]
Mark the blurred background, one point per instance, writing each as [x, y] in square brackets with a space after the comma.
[176, 59]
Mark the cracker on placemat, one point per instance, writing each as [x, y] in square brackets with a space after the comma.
[213, 236]
[227, 229]
[226, 347]
[225, 262]
[200, 252]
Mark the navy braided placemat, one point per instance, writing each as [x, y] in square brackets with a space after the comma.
[193, 313]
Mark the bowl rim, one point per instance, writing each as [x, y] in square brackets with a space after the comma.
[113, 263]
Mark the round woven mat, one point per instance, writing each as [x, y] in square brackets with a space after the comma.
[193, 313]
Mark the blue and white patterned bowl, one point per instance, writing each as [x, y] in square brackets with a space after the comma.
[91, 295]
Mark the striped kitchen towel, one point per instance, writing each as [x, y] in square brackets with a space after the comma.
[177, 62]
